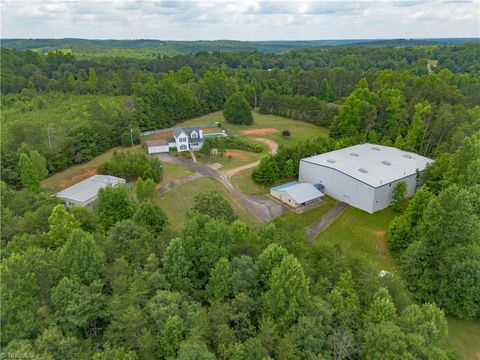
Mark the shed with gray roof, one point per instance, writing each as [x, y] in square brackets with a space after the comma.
[296, 194]
[85, 192]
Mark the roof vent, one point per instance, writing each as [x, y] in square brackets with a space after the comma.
[375, 148]
[407, 156]
[386, 162]
[354, 154]
[331, 161]
[363, 170]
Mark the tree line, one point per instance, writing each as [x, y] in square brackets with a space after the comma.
[116, 281]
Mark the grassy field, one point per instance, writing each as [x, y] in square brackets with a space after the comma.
[178, 201]
[361, 234]
[243, 182]
[230, 159]
[300, 130]
[291, 219]
[465, 336]
[173, 171]
[76, 173]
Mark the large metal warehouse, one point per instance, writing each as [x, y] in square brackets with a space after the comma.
[364, 175]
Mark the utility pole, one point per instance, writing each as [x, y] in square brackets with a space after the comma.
[49, 136]
[131, 134]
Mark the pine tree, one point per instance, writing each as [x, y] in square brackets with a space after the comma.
[237, 110]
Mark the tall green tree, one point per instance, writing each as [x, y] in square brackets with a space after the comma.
[237, 110]
[172, 337]
[92, 80]
[82, 257]
[62, 224]
[219, 285]
[29, 173]
[288, 293]
[115, 204]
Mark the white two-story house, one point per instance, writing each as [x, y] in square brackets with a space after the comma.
[188, 138]
[183, 139]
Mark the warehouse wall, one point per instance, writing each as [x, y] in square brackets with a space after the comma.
[339, 185]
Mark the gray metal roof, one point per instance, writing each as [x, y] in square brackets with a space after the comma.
[187, 130]
[300, 192]
[374, 165]
[87, 190]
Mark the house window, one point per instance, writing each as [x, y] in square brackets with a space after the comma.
[194, 135]
[183, 147]
[183, 140]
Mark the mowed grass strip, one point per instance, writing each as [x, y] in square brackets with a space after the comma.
[172, 172]
[464, 335]
[177, 202]
[299, 130]
[244, 183]
[361, 234]
[291, 221]
[230, 159]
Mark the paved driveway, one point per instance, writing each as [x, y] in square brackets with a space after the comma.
[261, 206]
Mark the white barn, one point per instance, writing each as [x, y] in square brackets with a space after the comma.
[85, 192]
[364, 175]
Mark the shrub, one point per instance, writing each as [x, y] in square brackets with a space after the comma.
[286, 133]
[229, 142]
[131, 165]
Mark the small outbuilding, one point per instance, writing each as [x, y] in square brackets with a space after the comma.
[157, 146]
[85, 192]
[296, 194]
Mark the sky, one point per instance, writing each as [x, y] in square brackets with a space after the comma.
[239, 20]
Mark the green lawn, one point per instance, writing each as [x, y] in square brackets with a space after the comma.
[178, 201]
[291, 220]
[244, 183]
[173, 171]
[363, 235]
[300, 130]
[465, 336]
[230, 159]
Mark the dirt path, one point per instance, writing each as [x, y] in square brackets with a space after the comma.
[272, 145]
[314, 229]
[260, 206]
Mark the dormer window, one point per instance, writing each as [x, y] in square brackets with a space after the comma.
[363, 170]
[385, 162]
[375, 148]
[194, 135]
[354, 154]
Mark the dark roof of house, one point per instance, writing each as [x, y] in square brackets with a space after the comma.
[188, 131]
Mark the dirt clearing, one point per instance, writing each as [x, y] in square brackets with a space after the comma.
[261, 131]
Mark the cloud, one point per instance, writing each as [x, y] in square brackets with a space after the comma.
[242, 19]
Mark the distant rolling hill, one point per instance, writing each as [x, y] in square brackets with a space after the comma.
[92, 48]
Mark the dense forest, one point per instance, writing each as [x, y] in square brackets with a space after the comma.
[117, 282]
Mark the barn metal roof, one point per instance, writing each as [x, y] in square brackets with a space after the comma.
[300, 192]
[375, 165]
[87, 189]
